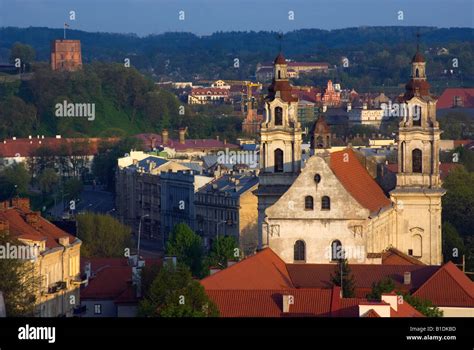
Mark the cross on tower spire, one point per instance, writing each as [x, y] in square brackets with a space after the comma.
[280, 41]
[418, 35]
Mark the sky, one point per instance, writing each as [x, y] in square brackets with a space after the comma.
[204, 17]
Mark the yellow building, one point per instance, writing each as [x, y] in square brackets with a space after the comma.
[54, 256]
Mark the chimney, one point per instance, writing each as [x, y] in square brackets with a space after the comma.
[287, 301]
[32, 219]
[349, 107]
[21, 203]
[164, 136]
[64, 241]
[364, 105]
[217, 137]
[182, 135]
[153, 143]
[407, 278]
[325, 108]
[225, 141]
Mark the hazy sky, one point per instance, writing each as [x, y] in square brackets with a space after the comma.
[206, 16]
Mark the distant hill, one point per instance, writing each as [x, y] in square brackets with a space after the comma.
[181, 55]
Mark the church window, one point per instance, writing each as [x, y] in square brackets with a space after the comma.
[417, 244]
[299, 251]
[317, 178]
[416, 156]
[278, 155]
[417, 73]
[337, 253]
[278, 116]
[417, 116]
[279, 74]
[308, 203]
[325, 203]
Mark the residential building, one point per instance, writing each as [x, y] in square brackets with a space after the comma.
[178, 191]
[211, 95]
[56, 257]
[227, 206]
[138, 192]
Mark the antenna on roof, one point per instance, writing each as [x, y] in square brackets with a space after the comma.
[280, 41]
[418, 35]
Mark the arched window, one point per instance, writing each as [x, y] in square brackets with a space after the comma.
[300, 251]
[416, 158]
[325, 203]
[416, 115]
[278, 155]
[417, 73]
[278, 116]
[337, 253]
[279, 74]
[417, 246]
[308, 203]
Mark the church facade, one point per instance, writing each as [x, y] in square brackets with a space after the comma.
[329, 207]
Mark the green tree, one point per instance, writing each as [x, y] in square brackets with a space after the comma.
[24, 52]
[458, 202]
[342, 273]
[48, 180]
[187, 247]
[424, 306]
[73, 188]
[223, 249]
[174, 293]
[17, 118]
[453, 245]
[102, 235]
[386, 285]
[14, 181]
[17, 282]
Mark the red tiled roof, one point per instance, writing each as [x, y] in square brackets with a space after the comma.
[371, 313]
[264, 270]
[210, 91]
[449, 286]
[108, 283]
[19, 228]
[395, 257]
[446, 100]
[319, 275]
[24, 147]
[111, 279]
[154, 140]
[357, 181]
[269, 303]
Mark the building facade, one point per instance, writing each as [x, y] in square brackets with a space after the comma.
[66, 55]
[333, 208]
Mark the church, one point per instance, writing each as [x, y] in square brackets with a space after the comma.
[329, 207]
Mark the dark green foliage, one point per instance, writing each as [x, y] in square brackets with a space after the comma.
[102, 236]
[187, 247]
[386, 285]
[174, 293]
[342, 269]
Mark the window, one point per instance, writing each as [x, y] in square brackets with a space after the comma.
[308, 203]
[278, 160]
[417, 73]
[317, 178]
[417, 116]
[416, 157]
[278, 116]
[279, 74]
[417, 246]
[337, 253]
[299, 251]
[97, 309]
[325, 203]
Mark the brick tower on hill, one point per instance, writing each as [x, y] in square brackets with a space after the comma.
[66, 55]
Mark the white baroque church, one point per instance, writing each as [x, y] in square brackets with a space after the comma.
[330, 205]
